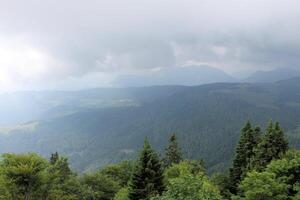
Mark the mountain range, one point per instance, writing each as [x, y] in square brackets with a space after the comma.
[188, 75]
[273, 75]
[101, 126]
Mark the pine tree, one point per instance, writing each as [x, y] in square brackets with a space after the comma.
[281, 145]
[147, 179]
[272, 146]
[54, 157]
[173, 153]
[242, 162]
[257, 137]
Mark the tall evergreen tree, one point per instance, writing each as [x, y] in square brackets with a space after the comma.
[54, 157]
[147, 179]
[254, 141]
[244, 155]
[173, 153]
[272, 146]
[281, 145]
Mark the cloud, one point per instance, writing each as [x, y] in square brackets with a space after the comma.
[52, 41]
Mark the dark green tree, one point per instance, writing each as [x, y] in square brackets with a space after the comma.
[54, 157]
[173, 154]
[242, 162]
[222, 182]
[272, 146]
[147, 179]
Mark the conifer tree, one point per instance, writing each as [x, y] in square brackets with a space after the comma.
[147, 179]
[257, 137]
[54, 157]
[281, 145]
[173, 153]
[244, 155]
[272, 146]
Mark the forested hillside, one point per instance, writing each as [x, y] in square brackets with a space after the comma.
[264, 167]
[33, 105]
[207, 120]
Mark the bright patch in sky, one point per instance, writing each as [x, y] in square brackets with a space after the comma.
[24, 67]
[20, 64]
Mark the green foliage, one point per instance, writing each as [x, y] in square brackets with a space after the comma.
[122, 194]
[31, 177]
[256, 152]
[62, 182]
[28, 176]
[262, 186]
[4, 192]
[272, 146]
[147, 179]
[69, 190]
[99, 187]
[280, 180]
[120, 172]
[25, 174]
[54, 157]
[192, 166]
[173, 153]
[222, 182]
[297, 196]
[184, 185]
[244, 154]
[287, 170]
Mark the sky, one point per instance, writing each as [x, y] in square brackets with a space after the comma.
[74, 44]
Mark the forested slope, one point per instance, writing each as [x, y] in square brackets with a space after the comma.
[206, 119]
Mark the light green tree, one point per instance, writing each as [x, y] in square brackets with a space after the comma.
[262, 186]
[279, 181]
[25, 174]
[99, 187]
[4, 192]
[185, 185]
[122, 194]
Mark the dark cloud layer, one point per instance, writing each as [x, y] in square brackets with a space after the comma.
[69, 39]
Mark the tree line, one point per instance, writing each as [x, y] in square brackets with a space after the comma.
[263, 168]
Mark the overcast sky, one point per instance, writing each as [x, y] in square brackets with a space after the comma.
[87, 43]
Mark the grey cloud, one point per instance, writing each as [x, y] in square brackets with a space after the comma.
[133, 35]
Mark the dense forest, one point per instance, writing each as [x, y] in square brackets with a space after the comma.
[97, 127]
[264, 168]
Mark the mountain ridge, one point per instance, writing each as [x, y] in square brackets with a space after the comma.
[188, 76]
[273, 75]
[206, 118]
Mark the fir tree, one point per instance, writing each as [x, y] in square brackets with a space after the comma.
[281, 145]
[272, 146]
[173, 153]
[244, 155]
[54, 157]
[147, 179]
[257, 137]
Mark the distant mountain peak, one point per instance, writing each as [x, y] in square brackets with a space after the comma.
[186, 75]
[273, 75]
